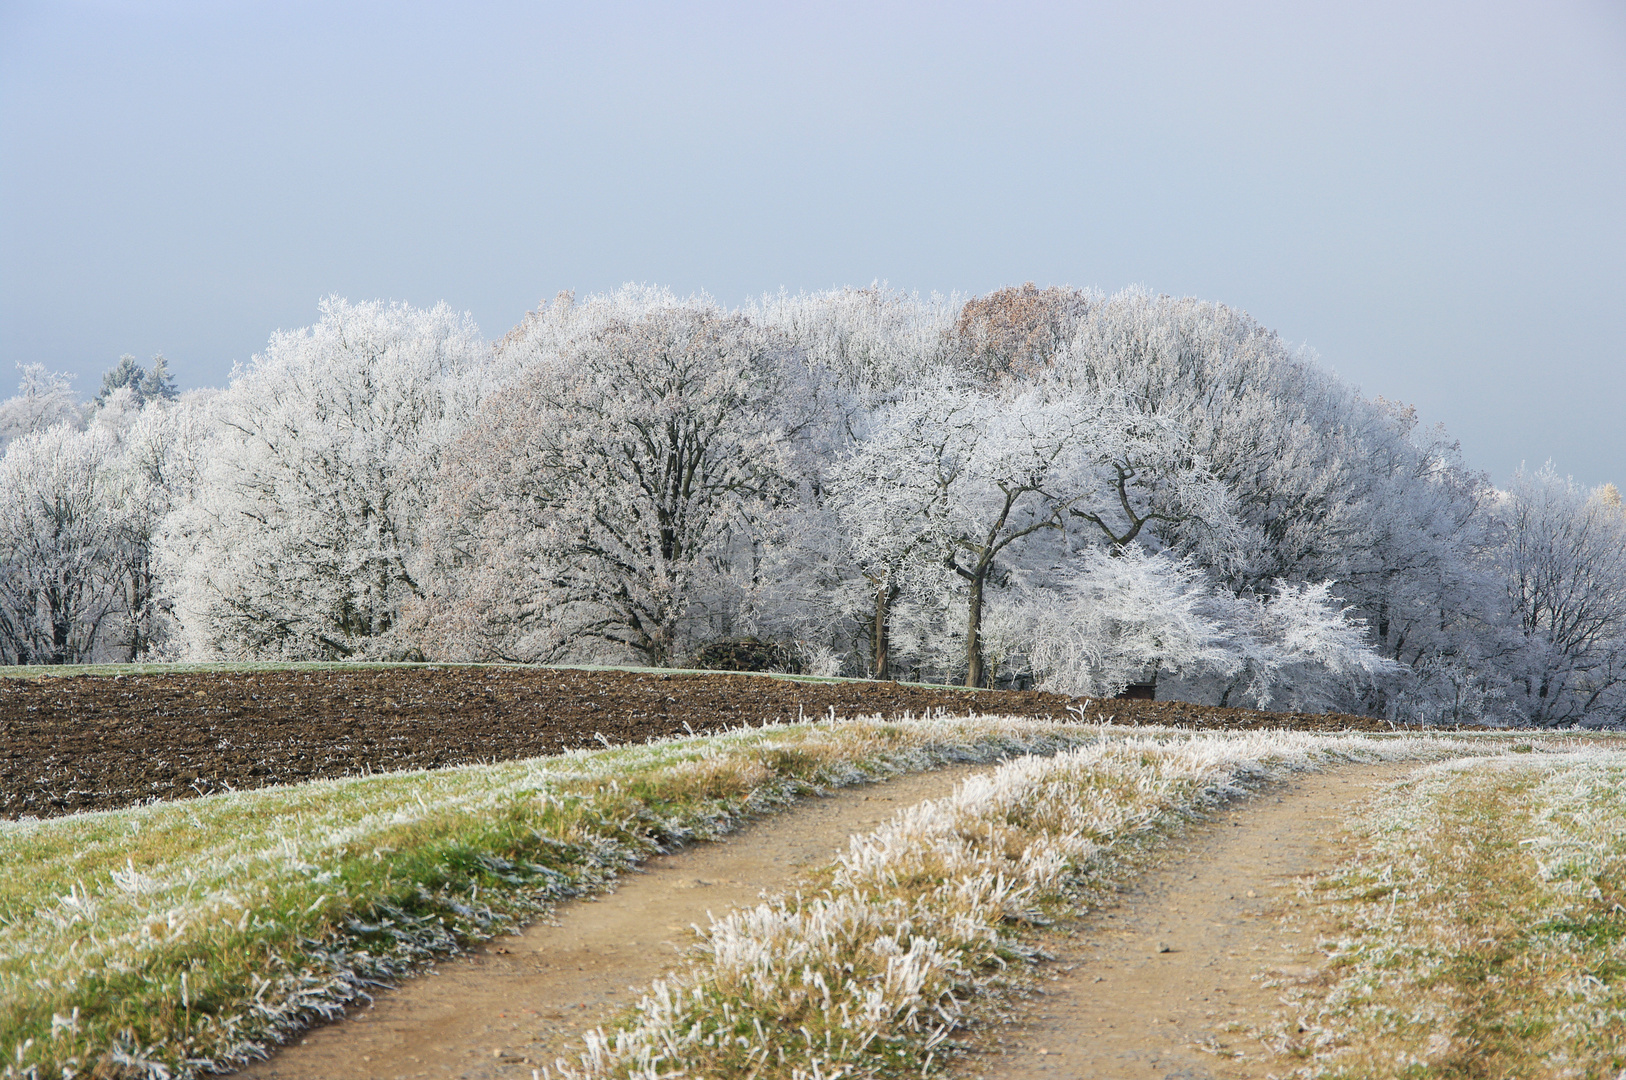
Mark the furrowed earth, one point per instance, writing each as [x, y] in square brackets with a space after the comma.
[99, 742]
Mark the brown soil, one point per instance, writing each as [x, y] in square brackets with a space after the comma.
[98, 742]
[1168, 984]
[522, 1002]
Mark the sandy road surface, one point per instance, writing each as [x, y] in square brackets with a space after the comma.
[523, 1001]
[1164, 986]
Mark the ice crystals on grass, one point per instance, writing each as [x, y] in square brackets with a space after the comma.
[134, 882]
[60, 1023]
[79, 905]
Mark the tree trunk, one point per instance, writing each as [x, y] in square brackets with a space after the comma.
[973, 630]
[61, 624]
[880, 631]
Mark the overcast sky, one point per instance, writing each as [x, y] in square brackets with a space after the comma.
[1432, 196]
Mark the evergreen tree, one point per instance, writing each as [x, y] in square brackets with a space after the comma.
[126, 373]
[158, 383]
[146, 385]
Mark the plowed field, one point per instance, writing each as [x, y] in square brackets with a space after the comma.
[98, 742]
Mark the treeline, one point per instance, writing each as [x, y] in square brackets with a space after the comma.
[1037, 486]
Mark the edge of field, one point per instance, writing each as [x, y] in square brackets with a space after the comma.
[50, 671]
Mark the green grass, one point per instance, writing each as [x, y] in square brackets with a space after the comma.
[182, 935]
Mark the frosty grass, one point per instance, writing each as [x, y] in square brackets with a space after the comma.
[176, 939]
[870, 975]
[1483, 927]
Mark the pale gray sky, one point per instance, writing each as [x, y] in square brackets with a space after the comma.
[1431, 195]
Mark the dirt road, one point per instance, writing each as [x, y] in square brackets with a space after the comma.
[523, 1001]
[1165, 986]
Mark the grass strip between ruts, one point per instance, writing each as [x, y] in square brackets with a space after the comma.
[1483, 928]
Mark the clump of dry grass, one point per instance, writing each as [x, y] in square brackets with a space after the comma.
[867, 977]
[1483, 928]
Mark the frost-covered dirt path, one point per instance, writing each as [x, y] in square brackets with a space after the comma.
[1165, 984]
[522, 1002]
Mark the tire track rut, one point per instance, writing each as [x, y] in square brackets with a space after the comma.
[1166, 983]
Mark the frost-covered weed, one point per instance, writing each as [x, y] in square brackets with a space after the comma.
[868, 976]
[1484, 927]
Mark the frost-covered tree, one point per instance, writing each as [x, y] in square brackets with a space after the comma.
[1324, 484]
[85, 570]
[44, 399]
[1016, 332]
[1297, 645]
[127, 374]
[1148, 475]
[1026, 467]
[313, 501]
[870, 341]
[158, 468]
[1270, 426]
[1412, 560]
[611, 492]
[154, 385]
[890, 496]
[1117, 618]
[1562, 561]
[954, 476]
[1123, 615]
[858, 348]
[61, 564]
